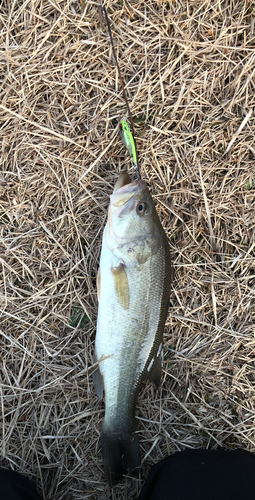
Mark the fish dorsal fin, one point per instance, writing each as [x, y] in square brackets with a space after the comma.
[121, 285]
[98, 380]
[98, 284]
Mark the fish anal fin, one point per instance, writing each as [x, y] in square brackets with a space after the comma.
[155, 371]
[121, 285]
[98, 380]
[98, 284]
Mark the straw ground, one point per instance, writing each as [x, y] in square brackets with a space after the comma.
[189, 71]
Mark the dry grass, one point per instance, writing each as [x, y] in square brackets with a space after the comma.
[189, 69]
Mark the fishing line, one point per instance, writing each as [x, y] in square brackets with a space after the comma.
[137, 169]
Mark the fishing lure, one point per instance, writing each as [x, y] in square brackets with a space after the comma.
[129, 142]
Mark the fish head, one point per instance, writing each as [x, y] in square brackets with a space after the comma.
[132, 231]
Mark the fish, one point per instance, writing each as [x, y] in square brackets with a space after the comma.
[133, 288]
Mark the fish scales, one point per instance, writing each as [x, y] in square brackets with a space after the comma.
[133, 289]
[128, 337]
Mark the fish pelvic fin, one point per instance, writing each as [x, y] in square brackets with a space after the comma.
[120, 454]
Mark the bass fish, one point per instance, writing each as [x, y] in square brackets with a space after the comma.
[133, 286]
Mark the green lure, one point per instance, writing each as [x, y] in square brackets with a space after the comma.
[128, 140]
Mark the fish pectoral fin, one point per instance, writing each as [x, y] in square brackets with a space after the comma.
[155, 371]
[121, 285]
[98, 380]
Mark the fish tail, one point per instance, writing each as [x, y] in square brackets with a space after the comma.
[120, 453]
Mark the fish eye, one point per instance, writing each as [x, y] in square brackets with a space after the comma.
[141, 208]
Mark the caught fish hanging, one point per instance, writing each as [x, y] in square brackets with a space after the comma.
[133, 288]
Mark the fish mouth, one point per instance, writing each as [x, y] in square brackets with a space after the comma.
[125, 189]
[122, 180]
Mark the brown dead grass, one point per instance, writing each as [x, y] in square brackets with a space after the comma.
[189, 70]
